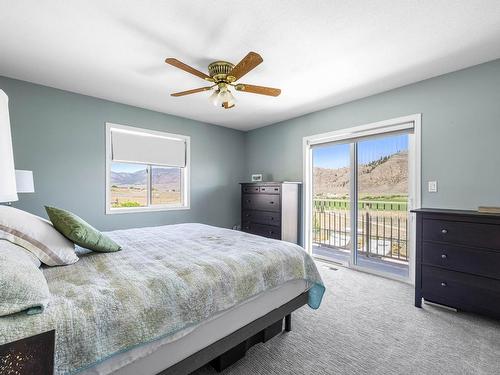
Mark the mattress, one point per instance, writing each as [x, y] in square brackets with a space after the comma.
[159, 355]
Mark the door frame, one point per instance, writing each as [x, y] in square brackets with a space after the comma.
[414, 176]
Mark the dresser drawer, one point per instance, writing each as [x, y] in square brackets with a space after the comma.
[264, 202]
[261, 217]
[462, 291]
[270, 189]
[262, 230]
[464, 259]
[254, 189]
[465, 233]
[250, 189]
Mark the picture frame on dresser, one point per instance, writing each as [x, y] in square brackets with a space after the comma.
[458, 260]
[257, 177]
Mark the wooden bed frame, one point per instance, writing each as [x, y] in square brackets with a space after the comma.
[35, 354]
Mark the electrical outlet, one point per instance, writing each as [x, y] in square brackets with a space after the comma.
[433, 187]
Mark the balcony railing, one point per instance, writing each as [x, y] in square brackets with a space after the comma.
[382, 227]
[343, 204]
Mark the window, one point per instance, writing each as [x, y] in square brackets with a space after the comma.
[145, 170]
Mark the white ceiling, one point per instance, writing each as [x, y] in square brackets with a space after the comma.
[320, 53]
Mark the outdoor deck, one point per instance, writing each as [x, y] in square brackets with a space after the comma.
[388, 266]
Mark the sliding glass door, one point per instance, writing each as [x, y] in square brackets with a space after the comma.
[382, 204]
[361, 190]
[331, 223]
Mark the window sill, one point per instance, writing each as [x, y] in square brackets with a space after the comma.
[113, 211]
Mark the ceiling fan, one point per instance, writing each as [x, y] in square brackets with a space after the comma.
[224, 75]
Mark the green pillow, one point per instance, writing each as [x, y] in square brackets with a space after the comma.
[79, 231]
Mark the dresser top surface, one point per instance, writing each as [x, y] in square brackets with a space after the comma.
[270, 183]
[444, 211]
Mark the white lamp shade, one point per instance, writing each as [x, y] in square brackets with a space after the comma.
[8, 191]
[24, 181]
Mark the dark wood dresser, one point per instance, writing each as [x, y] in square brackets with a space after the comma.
[271, 209]
[458, 260]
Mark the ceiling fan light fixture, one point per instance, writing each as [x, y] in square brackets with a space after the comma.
[226, 96]
[215, 98]
[230, 103]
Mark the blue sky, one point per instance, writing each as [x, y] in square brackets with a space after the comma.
[128, 168]
[337, 155]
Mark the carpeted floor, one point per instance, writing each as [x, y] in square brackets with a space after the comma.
[368, 325]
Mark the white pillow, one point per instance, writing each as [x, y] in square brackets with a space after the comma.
[12, 250]
[36, 235]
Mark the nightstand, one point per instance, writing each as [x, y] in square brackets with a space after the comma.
[28, 356]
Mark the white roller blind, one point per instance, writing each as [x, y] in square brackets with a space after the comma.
[144, 148]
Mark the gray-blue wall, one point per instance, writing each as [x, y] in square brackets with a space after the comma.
[60, 137]
[460, 135]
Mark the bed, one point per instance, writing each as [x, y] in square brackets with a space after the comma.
[175, 295]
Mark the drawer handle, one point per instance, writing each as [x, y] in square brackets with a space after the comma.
[271, 232]
[271, 202]
[444, 231]
[272, 218]
[247, 215]
[275, 189]
[444, 256]
[443, 284]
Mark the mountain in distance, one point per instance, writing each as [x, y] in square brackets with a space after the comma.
[166, 178]
[385, 176]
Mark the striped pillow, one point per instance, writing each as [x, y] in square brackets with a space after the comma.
[36, 235]
[7, 247]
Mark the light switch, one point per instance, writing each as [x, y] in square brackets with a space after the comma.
[433, 187]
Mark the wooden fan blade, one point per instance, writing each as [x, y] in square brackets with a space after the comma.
[193, 91]
[249, 62]
[262, 90]
[187, 68]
